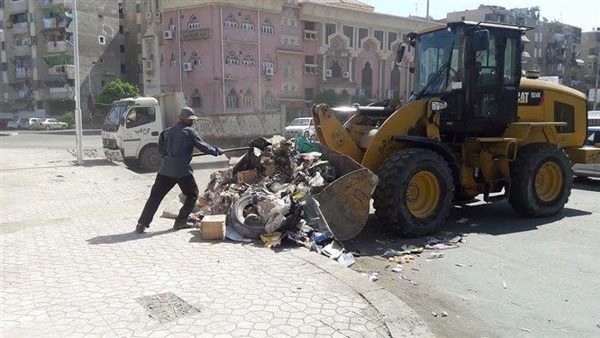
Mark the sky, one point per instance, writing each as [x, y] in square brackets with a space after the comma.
[580, 13]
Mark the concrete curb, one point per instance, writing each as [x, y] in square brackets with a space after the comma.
[400, 319]
[8, 134]
[63, 132]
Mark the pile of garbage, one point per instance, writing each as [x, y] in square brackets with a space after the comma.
[265, 194]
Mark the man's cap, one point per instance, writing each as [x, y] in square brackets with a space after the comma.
[187, 113]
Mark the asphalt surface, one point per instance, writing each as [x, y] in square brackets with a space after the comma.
[513, 277]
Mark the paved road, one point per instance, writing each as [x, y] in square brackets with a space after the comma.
[516, 275]
[71, 265]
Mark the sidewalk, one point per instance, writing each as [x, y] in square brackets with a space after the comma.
[71, 266]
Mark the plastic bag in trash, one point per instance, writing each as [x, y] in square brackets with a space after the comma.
[274, 223]
[272, 240]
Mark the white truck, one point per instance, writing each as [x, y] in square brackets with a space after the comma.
[132, 126]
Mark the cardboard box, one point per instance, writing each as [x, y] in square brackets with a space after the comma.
[213, 227]
[248, 176]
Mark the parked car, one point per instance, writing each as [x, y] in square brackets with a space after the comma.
[26, 123]
[48, 123]
[13, 124]
[589, 170]
[302, 126]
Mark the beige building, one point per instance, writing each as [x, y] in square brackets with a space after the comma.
[553, 48]
[37, 56]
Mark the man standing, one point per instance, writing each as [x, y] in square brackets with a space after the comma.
[176, 145]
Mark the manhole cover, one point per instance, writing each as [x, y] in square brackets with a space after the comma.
[166, 307]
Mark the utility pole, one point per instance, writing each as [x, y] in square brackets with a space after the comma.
[597, 68]
[78, 122]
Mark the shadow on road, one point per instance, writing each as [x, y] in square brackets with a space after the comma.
[493, 219]
[125, 237]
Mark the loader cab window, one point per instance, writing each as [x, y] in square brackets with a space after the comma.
[140, 116]
[114, 116]
[485, 65]
[440, 61]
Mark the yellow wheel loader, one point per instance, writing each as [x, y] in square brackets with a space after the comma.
[473, 126]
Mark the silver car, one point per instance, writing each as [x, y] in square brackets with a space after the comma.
[589, 170]
[48, 123]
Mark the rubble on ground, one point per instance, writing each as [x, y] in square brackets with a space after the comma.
[264, 194]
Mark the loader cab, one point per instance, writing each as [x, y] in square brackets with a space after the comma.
[475, 68]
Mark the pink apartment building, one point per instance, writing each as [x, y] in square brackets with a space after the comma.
[243, 56]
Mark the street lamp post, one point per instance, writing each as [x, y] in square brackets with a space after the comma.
[78, 119]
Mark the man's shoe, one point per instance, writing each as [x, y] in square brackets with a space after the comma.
[181, 225]
[140, 228]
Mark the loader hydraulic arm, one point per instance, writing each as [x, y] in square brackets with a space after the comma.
[332, 133]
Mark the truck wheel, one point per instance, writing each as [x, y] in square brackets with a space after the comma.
[132, 163]
[415, 192]
[150, 158]
[47, 128]
[541, 180]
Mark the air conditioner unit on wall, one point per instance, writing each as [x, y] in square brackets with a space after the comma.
[328, 72]
[346, 75]
[168, 35]
[269, 71]
[188, 67]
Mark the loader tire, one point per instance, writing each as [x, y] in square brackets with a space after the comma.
[415, 191]
[150, 158]
[541, 180]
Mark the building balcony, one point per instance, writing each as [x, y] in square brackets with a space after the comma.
[21, 74]
[22, 50]
[67, 4]
[49, 24]
[16, 6]
[56, 94]
[54, 47]
[17, 28]
[196, 34]
[62, 70]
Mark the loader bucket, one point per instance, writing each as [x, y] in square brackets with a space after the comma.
[342, 208]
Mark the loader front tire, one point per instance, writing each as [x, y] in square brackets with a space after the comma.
[415, 191]
[541, 180]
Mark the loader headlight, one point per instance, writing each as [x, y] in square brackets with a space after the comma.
[438, 105]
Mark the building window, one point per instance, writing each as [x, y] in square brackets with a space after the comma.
[138, 8]
[268, 62]
[269, 100]
[123, 70]
[122, 48]
[349, 33]
[391, 38]
[362, 33]
[193, 24]
[310, 25]
[379, 36]
[247, 24]
[289, 18]
[121, 29]
[233, 100]
[329, 29]
[232, 59]
[249, 99]
[309, 93]
[230, 22]
[172, 61]
[248, 60]
[267, 27]
[196, 98]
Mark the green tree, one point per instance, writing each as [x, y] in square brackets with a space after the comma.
[116, 90]
[68, 118]
[328, 96]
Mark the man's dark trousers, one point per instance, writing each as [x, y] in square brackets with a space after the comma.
[161, 188]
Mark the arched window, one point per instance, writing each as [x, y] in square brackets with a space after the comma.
[196, 98]
[232, 59]
[233, 100]
[267, 27]
[230, 22]
[195, 59]
[247, 24]
[269, 100]
[249, 99]
[193, 24]
[173, 61]
[248, 60]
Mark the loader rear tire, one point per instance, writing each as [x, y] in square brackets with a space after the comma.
[541, 180]
[415, 191]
